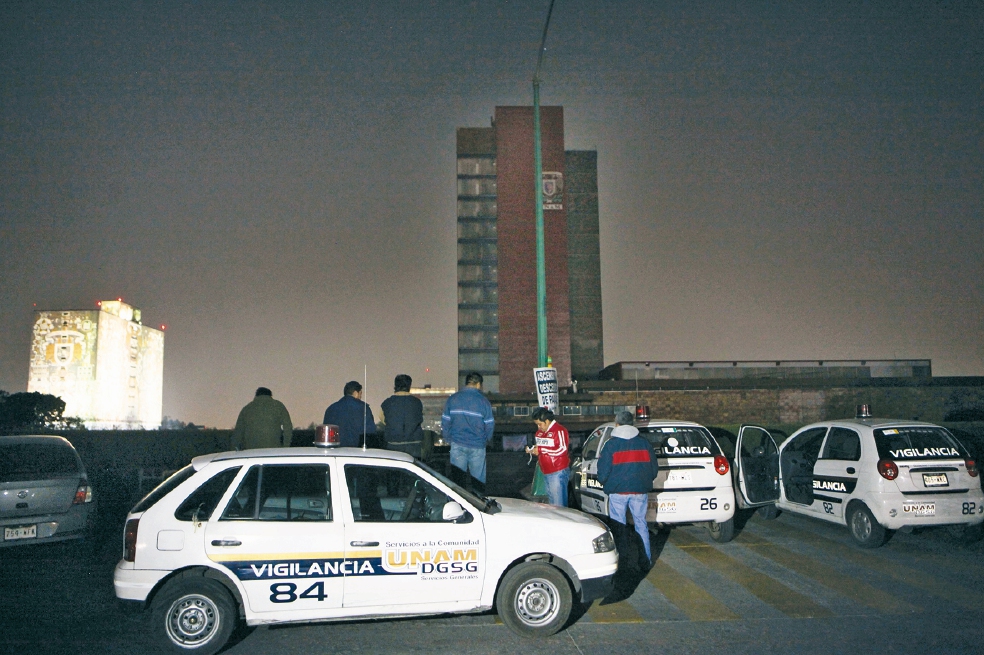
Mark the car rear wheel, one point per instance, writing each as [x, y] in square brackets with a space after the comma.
[193, 615]
[865, 530]
[722, 532]
[534, 600]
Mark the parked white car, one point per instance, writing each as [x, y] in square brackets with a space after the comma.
[696, 482]
[879, 475]
[314, 534]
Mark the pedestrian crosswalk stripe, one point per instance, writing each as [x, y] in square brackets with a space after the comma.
[809, 567]
[771, 591]
[905, 574]
[621, 612]
[692, 600]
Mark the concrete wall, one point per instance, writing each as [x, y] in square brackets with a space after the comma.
[799, 406]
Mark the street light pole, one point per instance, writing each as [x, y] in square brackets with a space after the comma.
[541, 270]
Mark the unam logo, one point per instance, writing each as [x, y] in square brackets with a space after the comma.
[432, 560]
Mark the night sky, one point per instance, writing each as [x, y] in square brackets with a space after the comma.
[275, 182]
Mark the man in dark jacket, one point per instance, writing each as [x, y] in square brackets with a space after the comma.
[627, 468]
[352, 416]
[401, 415]
[262, 423]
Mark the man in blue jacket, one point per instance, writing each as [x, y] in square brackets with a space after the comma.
[467, 424]
[352, 416]
[627, 468]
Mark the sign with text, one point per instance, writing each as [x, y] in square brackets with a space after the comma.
[546, 387]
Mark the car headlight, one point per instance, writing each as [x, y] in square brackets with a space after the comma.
[604, 544]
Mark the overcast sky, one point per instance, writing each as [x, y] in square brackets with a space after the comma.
[275, 181]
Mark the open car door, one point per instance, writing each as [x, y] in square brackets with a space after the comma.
[757, 466]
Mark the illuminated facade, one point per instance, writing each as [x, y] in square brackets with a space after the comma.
[105, 365]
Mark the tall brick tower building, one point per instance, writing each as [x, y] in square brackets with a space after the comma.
[497, 252]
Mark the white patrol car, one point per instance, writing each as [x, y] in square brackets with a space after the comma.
[694, 483]
[312, 534]
[877, 476]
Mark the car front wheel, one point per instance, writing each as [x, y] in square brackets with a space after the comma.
[193, 615]
[534, 600]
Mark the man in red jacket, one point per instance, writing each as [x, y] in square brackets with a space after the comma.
[552, 443]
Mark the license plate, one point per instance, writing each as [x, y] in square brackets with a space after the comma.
[679, 476]
[935, 480]
[919, 509]
[663, 506]
[22, 532]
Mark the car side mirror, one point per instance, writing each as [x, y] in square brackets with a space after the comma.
[454, 513]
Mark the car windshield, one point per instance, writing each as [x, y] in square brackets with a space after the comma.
[480, 503]
[37, 461]
[917, 442]
[680, 441]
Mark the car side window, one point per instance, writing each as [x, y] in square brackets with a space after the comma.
[390, 494]
[200, 504]
[842, 443]
[283, 492]
[590, 450]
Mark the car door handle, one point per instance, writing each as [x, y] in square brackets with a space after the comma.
[226, 542]
[850, 469]
[363, 544]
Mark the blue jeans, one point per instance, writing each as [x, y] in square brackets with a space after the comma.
[557, 487]
[637, 504]
[470, 460]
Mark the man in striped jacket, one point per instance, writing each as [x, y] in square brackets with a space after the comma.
[627, 468]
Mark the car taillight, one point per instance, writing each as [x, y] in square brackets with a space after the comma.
[83, 494]
[971, 468]
[887, 469]
[721, 464]
[130, 540]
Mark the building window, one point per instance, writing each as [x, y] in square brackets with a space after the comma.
[477, 208]
[478, 316]
[477, 251]
[478, 294]
[571, 410]
[478, 340]
[477, 229]
[521, 410]
[476, 166]
[478, 361]
[482, 186]
[478, 273]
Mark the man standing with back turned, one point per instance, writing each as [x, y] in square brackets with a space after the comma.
[262, 423]
[467, 423]
[352, 416]
[627, 468]
[401, 415]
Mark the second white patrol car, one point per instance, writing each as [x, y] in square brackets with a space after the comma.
[694, 483]
[314, 534]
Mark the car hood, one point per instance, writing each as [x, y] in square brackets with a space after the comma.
[527, 509]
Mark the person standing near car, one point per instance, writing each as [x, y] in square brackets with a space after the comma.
[467, 424]
[262, 423]
[626, 469]
[401, 416]
[552, 451]
[352, 416]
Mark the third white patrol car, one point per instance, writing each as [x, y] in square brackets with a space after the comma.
[314, 534]
[879, 475]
